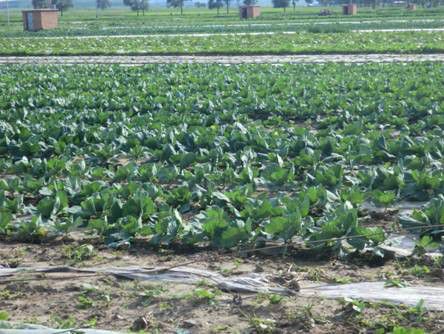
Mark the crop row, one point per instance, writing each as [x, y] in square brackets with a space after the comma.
[297, 43]
[136, 28]
[198, 154]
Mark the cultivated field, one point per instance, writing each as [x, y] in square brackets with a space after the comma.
[122, 21]
[288, 180]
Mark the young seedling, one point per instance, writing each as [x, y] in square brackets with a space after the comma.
[419, 271]
[62, 323]
[150, 293]
[275, 299]
[84, 302]
[80, 253]
[262, 325]
[384, 198]
[352, 307]
[418, 312]
[205, 295]
[395, 283]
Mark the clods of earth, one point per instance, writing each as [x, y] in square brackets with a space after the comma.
[106, 302]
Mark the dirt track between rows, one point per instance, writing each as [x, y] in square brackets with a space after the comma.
[222, 59]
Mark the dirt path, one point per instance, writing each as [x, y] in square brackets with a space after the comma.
[227, 59]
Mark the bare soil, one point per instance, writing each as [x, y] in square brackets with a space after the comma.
[109, 303]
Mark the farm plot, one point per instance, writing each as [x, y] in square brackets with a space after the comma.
[297, 43]
[117, 21]
[208, 153]
[137, 28]
[234, 160]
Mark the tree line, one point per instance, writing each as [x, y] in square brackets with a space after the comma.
[142, 5]
[63, 5]
[364, 3]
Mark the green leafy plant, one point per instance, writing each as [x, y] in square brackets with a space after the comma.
[419, 311]
[353, 305]
[205, 295]
[275, 299]
[405, 330]
[84, 302]
[383, 198]
[262, 325]
[195, 155]
[395, 283]
[80, 253]
[419, 271]
[4, 315]
[427, 221]
[293, 43]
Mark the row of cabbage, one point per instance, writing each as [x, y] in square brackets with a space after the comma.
[320, 40]
[227, 156]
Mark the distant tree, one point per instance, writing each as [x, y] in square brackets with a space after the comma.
[218, 4]
[40, 4]
[227, 4]
[62, 5]
[137, 5]
[103, 4]
[293, 2]
[176, 4]
[281, 4]
[308, 2]
[249, 2]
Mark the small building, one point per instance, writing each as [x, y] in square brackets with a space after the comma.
[350, 9]
[411, 6]
[38, 19]
[247, 12]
